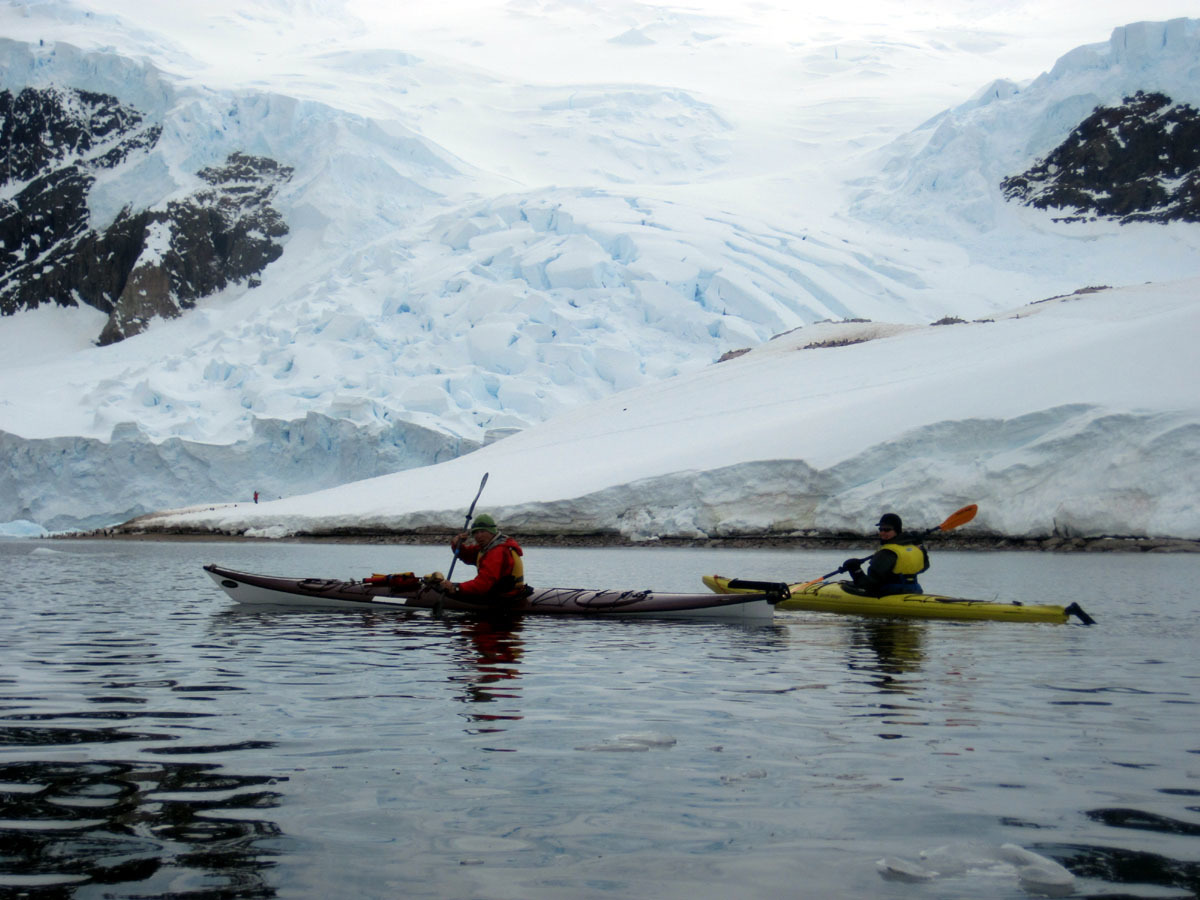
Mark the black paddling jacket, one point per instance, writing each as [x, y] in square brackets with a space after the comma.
[896, 564]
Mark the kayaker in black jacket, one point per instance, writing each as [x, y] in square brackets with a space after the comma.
[894, 567]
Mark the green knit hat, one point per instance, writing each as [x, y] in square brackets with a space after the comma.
[484, 523]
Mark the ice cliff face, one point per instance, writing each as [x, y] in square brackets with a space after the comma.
[140, 202]
[74, 482]
[1137, 162]
[147, 262]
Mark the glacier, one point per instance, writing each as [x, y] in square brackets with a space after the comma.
[484, 253]
[1026, 415]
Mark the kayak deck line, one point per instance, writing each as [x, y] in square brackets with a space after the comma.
[842, 597]
[271, 590]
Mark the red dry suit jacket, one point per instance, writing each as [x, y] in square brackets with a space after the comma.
[501, 572]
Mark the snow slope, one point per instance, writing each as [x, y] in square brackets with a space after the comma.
[503, 213]
[1042, 416]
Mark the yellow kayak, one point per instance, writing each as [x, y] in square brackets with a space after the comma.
[840, 597]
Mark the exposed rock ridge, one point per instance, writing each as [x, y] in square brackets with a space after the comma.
[1139, 162]
[55, 143]
[53, 127]
[216, 237]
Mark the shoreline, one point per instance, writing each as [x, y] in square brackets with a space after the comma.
[1047, 544]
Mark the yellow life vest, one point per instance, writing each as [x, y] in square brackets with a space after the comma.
[910, 558]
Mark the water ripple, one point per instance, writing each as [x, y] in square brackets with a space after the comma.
[1144, 821]
[176, 745]
[153, 821]
[1119, 866]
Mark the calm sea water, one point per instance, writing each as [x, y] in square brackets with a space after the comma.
[157, 740]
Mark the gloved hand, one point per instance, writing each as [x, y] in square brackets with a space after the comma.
[851, 565]
[434, 579]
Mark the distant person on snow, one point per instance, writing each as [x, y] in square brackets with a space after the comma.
[894, 567]
[256, 496]
[497, 559]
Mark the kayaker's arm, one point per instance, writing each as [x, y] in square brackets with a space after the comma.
[464, 548]
[881, 567]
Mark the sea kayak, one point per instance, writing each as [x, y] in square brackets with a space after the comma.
[409, 593]
[842, 597]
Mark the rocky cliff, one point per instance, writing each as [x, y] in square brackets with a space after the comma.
[1137, 162]
[56, 142]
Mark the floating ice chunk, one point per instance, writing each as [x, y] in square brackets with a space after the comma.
[959, 858]
[1019, 856]
[615, 747]
[893, 868]
[1037, 874]
[649, 738]
[633, 743]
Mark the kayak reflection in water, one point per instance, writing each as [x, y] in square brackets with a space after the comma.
[894, 567]
[500, 569]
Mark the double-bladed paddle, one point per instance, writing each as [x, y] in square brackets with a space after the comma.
[954, 520]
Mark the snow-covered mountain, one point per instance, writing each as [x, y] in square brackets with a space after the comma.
[343, 249]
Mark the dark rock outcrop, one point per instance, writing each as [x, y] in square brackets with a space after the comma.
[45, 129]
[56, 143]
[219, 236]
[1139, 162]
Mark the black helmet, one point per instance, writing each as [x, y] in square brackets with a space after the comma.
[890, 520]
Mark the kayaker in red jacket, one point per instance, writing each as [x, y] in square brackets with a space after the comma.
[497, 558]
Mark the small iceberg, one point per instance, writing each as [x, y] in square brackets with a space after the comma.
[1036, 874]
[633, 743]
[892, 868]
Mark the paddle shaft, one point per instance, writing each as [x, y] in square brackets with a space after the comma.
[437, 603]
[467, 523]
